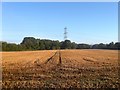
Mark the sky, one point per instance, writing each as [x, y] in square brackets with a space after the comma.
[86, 22]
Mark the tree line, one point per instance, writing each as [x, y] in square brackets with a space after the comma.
[30, 43]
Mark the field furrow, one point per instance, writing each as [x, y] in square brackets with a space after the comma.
[61, 69]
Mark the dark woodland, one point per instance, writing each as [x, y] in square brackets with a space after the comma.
[30, 43]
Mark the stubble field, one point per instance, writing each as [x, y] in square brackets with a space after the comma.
[60, 69]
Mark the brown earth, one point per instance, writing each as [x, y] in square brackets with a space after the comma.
[60, 69]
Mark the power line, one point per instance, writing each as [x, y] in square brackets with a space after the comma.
[65, 33]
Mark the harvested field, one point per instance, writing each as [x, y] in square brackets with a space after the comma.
[60, 69]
